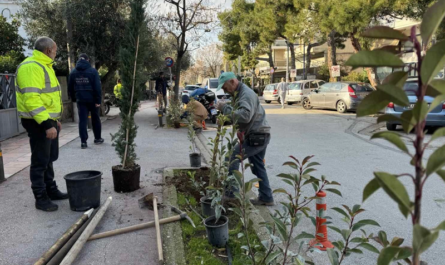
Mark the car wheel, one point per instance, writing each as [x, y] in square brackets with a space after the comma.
[391, 127]
[268, 101]
[290, 103]
[279, 101]
[341, 106]
[307, 104]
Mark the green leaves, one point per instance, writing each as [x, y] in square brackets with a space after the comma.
[341, 211]
[393, 138]
[433, 62]
[394, 94]
[369, 247]
[397, 78]
[304, 235]
[436, 88]
[362, 223]
[333, 256]
[372, 103]
[370, 188]
[423, 238]
[386, 255]
[395, 189]
[334, 191]
[382, 32]
[438, 133]
[420, 111]
[376, 58]
[431, 21]
[436, 161]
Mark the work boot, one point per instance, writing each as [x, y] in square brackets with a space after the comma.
[84, 146]
[55, 194]
[258, 202]
[99, 141]
[44, 203]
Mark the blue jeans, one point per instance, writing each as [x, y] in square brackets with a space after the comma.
[255, 155]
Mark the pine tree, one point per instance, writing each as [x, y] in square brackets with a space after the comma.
[132, 54]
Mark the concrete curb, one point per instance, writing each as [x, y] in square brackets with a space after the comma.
[173, 243]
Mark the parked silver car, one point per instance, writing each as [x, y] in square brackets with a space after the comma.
[270, 93]
[297, 90]
[435, 117]
[342, 96]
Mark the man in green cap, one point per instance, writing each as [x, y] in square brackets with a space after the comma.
[251, 120]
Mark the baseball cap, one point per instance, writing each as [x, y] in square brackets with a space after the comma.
[84, 56]
[224, 77]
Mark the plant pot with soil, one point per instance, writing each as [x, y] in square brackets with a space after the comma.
[126, 179]
[206, 206]
[217, 230]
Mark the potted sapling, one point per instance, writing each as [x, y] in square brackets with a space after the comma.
[126, 175]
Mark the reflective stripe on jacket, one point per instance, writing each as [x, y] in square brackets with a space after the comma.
[37, 89]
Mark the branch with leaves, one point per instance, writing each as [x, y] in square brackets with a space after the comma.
[430, 62]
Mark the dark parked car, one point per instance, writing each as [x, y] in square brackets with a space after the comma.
[342, 96]
[435, 118]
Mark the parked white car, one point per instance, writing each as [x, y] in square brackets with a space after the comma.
[270, 93]
[212, 84]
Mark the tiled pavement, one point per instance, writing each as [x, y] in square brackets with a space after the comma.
[17, 153]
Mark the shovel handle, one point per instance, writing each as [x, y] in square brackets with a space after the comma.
[134, 228]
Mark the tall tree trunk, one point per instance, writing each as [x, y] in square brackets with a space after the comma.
[292, 55]
[271, 63]
[308, 58]
[178, 75]
[372, 76]
[332, 53]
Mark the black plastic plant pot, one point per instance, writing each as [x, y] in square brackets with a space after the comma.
[195, 160]
[217, 233]
[126, 179]
[206, 207]
[83, 189]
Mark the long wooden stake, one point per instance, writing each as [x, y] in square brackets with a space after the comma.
[158, 230]
[64, 238]
[75, 250]
[134, 228]
[131, 102]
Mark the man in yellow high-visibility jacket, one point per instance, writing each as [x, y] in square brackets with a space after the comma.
[39, 105]
[117, 89]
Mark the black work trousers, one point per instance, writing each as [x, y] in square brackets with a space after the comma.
[84, 109]
[44, 152]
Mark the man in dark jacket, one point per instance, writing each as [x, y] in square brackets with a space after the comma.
[161, 89]
[84, 88]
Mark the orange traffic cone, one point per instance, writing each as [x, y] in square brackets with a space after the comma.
[320, 226]
[204, 125]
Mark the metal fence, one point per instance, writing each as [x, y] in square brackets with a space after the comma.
[10, 124]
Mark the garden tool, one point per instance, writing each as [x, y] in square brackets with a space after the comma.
[147, 202]
[181, 216]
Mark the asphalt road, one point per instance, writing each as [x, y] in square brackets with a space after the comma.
[340, 143]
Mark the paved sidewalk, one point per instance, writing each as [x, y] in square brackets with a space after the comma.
[26, 233]
[17, 153]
